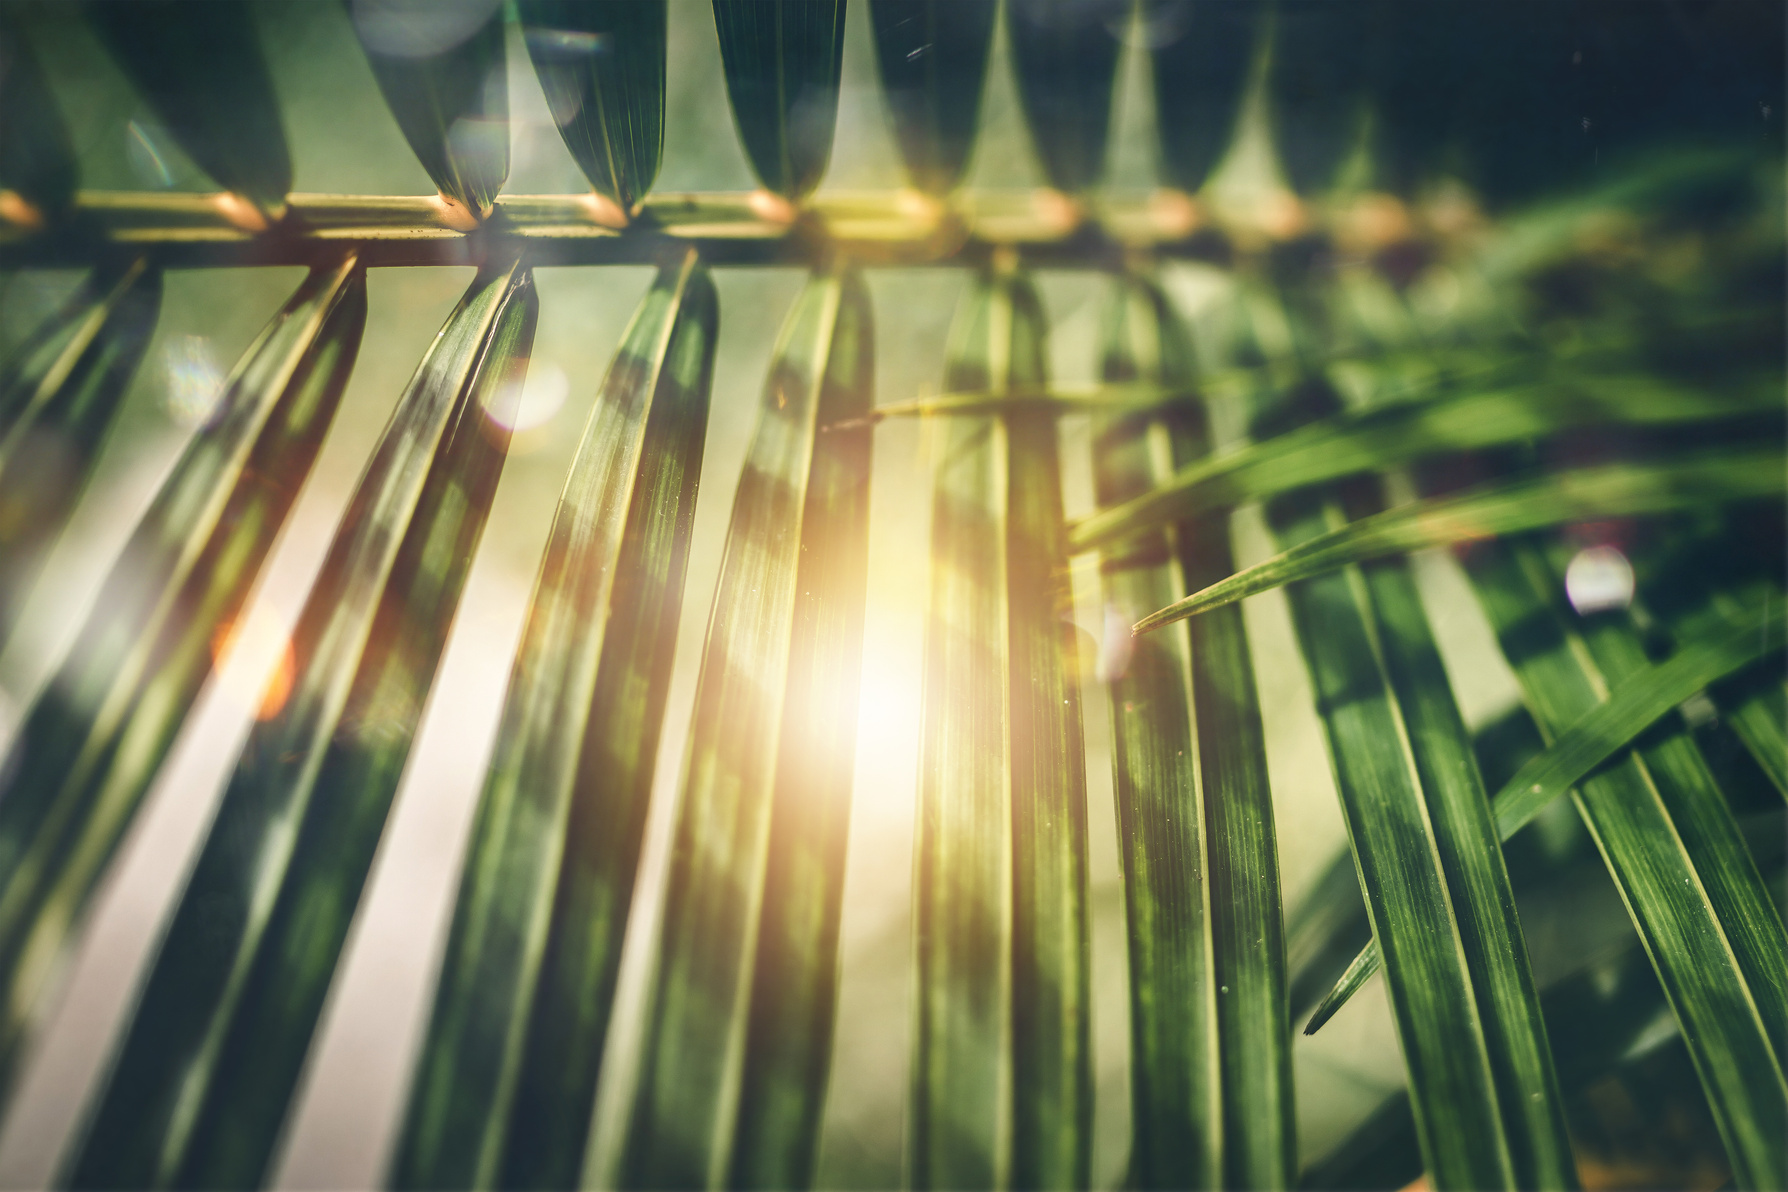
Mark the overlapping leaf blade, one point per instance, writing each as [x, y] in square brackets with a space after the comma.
[1639, 702]
[447, 86]
[782, 65]
[933, 60]
[201, 1085]
[56, 402]
[1398, 432]
[37, 159]
[1064, 59]
[1000, 876]
[91, 744]
[767, 775]
[1584, 495]
[601, 64]
[1210, 1054]
[199, 65]
[559, 824]
[1202, 57]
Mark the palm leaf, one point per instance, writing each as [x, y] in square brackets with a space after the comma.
[768, 768]
[1211, 1057]
[1316, 90]
[1202, 55]
[208, 1066]
[933, 60]
[1000, 876]
[782, 65]
[1584, 495]
[1639, 702]
[1064, 60]
[1397, 432]
[92, 743]
[447, 87]
[56, 403]
[560, 819]
[601, 65]
[37, 159]
[199, 65]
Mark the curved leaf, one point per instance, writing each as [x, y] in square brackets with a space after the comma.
[601, 64]
[206, 1071]
[559, 822]
[199, 65]
[447, 85]
[1202, 54]
[37, 160]
[1316, 88]
[933, 59]
[1398, 432]
[1064, 60]
[767, 776]
[1587, 494]
[56, 402]
[93, 741]
[782, 65]
[1211, 1054]
[1639, 702]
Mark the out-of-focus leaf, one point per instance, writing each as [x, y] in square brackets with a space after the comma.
[1666, 843]
[206, 1071]
[1202, 55]
[56, 401]
[199, 65]
[92, 743]
[1635, 705]
[782, 64]
[1000, 876]
[933, 59]
[446, 82]
[1324, 931]
[1064, 60]
[37, 160]
[1146, 398]
[1211, 1056]
[1397, 432]
[1316, 87]
[601, 64]
[769, 767]
[1587, 494]
[558, 827]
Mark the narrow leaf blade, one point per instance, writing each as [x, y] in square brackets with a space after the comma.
[933, 60]
[782, 65]
[1064, 59]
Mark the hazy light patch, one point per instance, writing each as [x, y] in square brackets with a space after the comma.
[532, 404]
[194, 381]
[255, 662]
[419, 28]
[1116, 645]
[1599, 578]
[888, 717]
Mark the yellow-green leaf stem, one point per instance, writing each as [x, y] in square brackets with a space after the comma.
[767, 775]
[1640, 701]
[1000, 875]
[1588, 494]
[208, 1066]
[503, 1089]
[1211, 1057]
[92, 742]
[782, 64]
[56, 402]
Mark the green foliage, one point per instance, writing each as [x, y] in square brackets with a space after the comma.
[782, 66]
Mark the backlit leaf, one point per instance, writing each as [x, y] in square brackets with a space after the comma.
[37, 160]
[782, 64]
[933, 59]
[1202, 55]
[1064, 60]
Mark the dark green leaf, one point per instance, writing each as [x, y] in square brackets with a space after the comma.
[448, 88]
[199, 65]
[768, 767]
[1211, 1056]
[601, 64]
[56, 402]
[1064, 60]
[1000, 876]
[1316, 88]
[782, 64]
[1397, 432]
[37, 160]
[207, 1069]
[1202, 54]
[558, 827]
[933, 59]
[1589, 494]
[92, 743]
